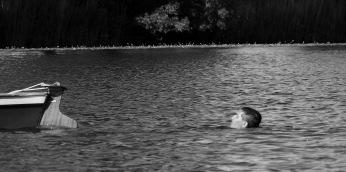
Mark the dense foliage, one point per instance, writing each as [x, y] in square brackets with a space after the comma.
[52, 23]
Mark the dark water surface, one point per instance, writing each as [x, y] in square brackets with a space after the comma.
[163, 109]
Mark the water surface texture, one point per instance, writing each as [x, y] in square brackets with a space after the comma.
[164, 109]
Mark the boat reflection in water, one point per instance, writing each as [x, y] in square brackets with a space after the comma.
[34, 107]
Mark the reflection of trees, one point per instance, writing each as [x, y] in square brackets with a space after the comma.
[41, 23]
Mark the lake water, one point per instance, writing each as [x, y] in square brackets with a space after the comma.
[164, 109]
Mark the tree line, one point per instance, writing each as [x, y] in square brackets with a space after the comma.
[66, 23]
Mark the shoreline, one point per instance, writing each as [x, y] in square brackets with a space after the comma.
[176, 46]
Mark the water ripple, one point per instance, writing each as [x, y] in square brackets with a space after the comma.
[168, 109]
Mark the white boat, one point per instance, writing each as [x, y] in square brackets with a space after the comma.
[34, 107]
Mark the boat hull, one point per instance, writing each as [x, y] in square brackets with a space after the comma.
[22, 110]
[21, 116]
[34, 107]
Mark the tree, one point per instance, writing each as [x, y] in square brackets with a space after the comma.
[214, 15]
[164, 19]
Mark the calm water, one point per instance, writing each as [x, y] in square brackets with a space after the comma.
[164, 109]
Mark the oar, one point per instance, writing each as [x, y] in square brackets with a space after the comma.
[34, 89]
[29, 88]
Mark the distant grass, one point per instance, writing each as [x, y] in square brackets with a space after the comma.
[175, 46]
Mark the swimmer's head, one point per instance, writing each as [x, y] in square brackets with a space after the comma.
[246, 118]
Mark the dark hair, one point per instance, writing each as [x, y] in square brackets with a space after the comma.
[252, 117]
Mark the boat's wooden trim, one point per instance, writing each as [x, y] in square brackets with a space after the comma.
[22, 100]
[23, 94]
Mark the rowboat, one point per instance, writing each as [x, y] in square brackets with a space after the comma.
[34, 107]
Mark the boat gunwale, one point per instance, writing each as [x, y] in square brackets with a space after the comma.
[38, 98]
[23, 94]
[21, 105]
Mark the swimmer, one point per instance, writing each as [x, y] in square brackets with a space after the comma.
[246, 118]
